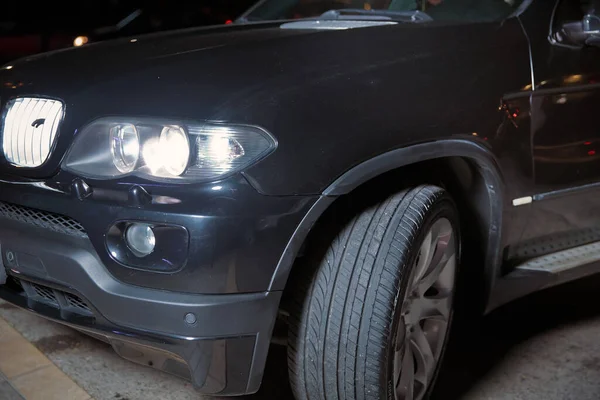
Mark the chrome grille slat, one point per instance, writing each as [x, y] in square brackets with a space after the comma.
[22, 121]
[58, 114]
[25, 143]
[8, 139]
[37, 152]
[14, 128]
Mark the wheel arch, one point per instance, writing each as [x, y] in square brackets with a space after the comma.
[481, 198]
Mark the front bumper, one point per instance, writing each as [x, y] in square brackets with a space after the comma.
[210, 321]
[60, 277]
[236, 235]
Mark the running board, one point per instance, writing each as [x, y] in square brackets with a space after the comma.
[546, 271]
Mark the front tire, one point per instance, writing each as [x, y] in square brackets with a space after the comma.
[371, 309]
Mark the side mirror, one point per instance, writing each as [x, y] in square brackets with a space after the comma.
[591, 24]
[591, 27]
[584, 32]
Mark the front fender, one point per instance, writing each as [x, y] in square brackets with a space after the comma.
[484, 161]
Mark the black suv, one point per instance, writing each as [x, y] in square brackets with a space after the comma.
[353, 167]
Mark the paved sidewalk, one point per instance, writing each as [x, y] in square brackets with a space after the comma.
[544, 347]
[27, 374]
[7, 390]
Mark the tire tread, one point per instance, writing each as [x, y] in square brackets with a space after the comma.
[343, 301]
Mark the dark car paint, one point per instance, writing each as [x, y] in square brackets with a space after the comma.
[565, 137]
[288, 80]
[344, 107]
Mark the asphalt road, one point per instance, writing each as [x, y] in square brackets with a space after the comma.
[542, 347]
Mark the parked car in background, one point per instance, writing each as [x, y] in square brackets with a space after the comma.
[29, 29]
[352, 168]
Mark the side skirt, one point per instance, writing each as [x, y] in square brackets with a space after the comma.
[546, 271]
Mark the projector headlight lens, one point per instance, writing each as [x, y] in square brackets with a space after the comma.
[125, 147]
[175, 144]
[112, 147]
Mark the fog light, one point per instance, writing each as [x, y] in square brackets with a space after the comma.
[140, 239]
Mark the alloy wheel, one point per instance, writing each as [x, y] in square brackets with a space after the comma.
[425, 313]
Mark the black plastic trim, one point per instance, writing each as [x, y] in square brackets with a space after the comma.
[150, 321]
[566, 192]
[520, 283]
[170, 253]
[386, 162]
[286, 262]
[353, 178]
[237, 369]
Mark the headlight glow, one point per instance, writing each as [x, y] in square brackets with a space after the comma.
[175, 147]
[155, 149]
[218, 150]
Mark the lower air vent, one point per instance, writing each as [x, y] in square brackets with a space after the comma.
[14, 284]
[45, 293]
[43, 219]
[49, 296]
[76, 302]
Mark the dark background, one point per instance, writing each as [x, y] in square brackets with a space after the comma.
[31, 27]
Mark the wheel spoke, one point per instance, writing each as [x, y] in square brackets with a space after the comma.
[401, 338]
[445, 281]
[424, 355]
[437, 307]
[398, 360]
[425, 313]
[443, 254]
[405, 387]
[425, 254]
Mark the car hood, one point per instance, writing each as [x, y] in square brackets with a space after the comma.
[214, 73]
[161, 55]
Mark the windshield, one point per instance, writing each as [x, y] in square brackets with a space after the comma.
[448, 10]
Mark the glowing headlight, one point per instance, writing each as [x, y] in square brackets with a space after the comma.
[175, 143]
[113, 147]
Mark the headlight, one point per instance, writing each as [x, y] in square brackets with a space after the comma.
[174, 142]
[113, 147]
[125, 147]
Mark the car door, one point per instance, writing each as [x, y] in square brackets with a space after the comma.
[565, 128]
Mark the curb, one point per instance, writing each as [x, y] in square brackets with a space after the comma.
[29, 373]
